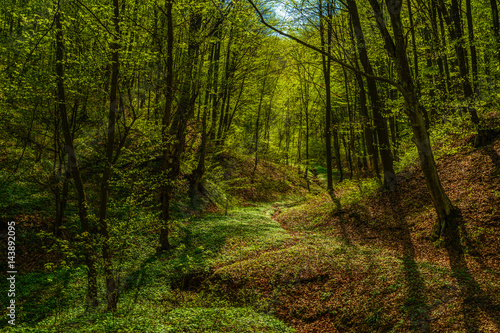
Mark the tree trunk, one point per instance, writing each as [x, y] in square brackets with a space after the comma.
[445, 57]
[61, 195]
[304, 96]
[396, 49]
[197, 174]
[165, 188]
[414, 46]
[380, 122]
[111, 292]
[74, 169]
[472, 42]
[227, 91]
[229, 119]
[456, 33]
[367, 127]
[215, 83]
[348, 147]
[328, 107]
[496, 26]
[338, 157]
[257, 122]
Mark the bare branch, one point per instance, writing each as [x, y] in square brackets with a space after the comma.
[314, 48]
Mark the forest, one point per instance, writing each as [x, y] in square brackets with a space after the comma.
[250, 166]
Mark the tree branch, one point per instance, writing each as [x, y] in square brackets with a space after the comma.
[314, 48]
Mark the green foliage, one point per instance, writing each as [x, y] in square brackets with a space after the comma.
[223, 320]
[21, 197]
[44, 295]
[158, 282]
[215, 240]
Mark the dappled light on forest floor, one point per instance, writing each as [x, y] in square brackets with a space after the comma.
[448, 284]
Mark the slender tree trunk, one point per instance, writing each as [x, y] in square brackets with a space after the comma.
[443, 49]
[229, 119]
[380, 122]
[338, 157]
[393, 125]
[496, 26]
[348, 154]
[433, 58]
[61, 195]
[215, 83]
[74, 169]
[111, 292]
[442, 77]
[165, 188]
[287, 133]
[396, 49]
[349, 115]
[175, 129]
[227, 92]
[198, 173]
[414, 45]
[299, 142]
[304, 95]
[326, 46]
[472, 42]
[456, 33]
[257, 122]
[367, 127]
[61, 202]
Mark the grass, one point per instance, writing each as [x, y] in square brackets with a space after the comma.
[235, 237]
[160, 293]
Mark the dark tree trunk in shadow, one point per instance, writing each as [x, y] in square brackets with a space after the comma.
[165, 187]
[197, 174]
[74, 170]
[496, 25]
[380, 122]
[174, 128]
[326, 44]
[456, 32]
[111, 288]
[415, 111]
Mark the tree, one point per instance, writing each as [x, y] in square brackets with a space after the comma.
[396, 49]
[111, 292]
[74, 168]
[380, 122]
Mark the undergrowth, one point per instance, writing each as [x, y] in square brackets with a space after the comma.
[160, 293]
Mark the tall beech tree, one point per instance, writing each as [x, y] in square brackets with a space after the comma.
[380, 122]
[167, 169]
[396, 49]
[174, 124]
[74, 167]
[325, 17]
[111, 292]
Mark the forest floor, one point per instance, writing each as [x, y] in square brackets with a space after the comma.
[371, 266]
[296, 263]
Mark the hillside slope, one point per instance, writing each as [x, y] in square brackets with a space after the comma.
[371, 267]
